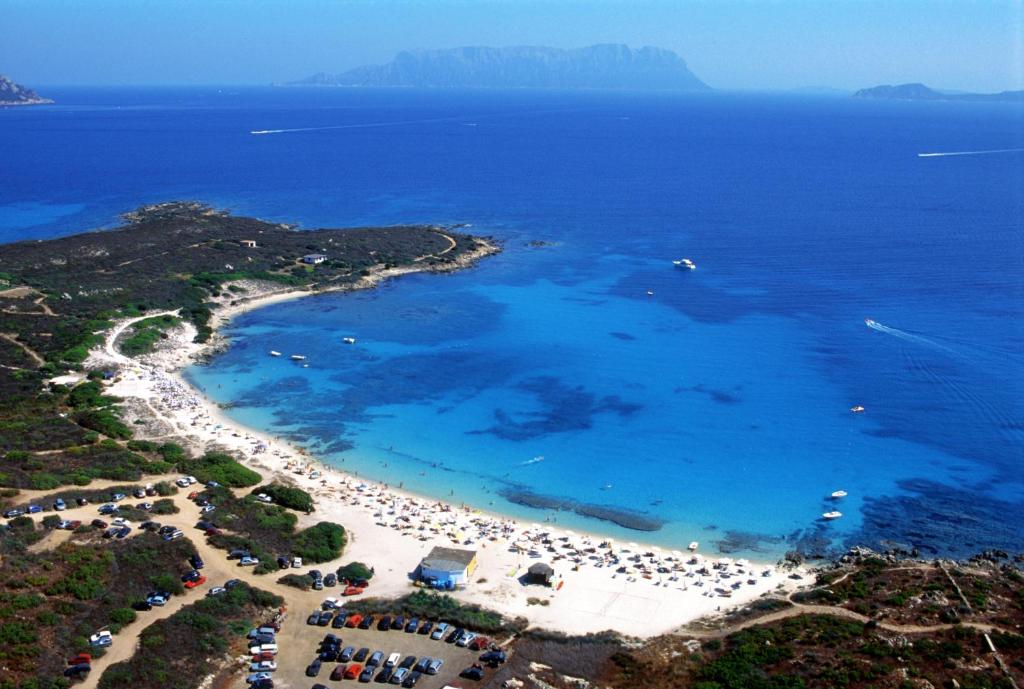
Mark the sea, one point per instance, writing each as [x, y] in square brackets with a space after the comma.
[580, 378]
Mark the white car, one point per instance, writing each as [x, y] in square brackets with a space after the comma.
[216, 591]
[191, 480]
[465, 639]
[103, 638]
[157, 600]
[392, 660]
[263, 666]
[182, 483]
[257, 677]
[248, 561]
[296, 562]
[263, 497]
[120, 521]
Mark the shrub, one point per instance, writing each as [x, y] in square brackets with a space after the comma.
[122, 616]
[222, 468]
[288, 496]
[355, 570]
[299, 581]
[321, 542]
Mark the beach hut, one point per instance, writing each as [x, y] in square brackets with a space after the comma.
[314, 259]
[540, 573]
[446, 568]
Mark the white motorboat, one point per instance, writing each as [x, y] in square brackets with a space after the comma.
[685, 263]
[273, 353]
[836, 494]
[857, 409]
[297, 357]
[693, 546]
[348, 340]
[834, 514]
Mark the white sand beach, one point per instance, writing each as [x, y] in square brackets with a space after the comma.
[598, 584]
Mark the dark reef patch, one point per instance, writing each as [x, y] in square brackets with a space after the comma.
[940, 520]
[743, 541]
[719, 396]
[622, 336]
[565, 408]
[628, 519]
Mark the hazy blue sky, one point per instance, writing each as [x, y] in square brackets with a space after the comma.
[729, 44]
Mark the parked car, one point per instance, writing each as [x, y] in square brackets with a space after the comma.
[139, 492]
[479, 643]
[119, 521]
[399, 675]
[156, 599]
[34, 509]
[101, 639]
[81, 502]
[331, 579]
[367, 674]
[216, 591]
[474, 672]
[164, 530]
[142, 605]
[73, 524]
[353, 670]
[107, 509]
[426, 627]
[232, 583]
[318, 584]
[339, 620]
[494, 657]
[256, 677]
[375, 659]
[361, 654]
[207, 508]
[80, 659]
[325, 618]
[263, 497]
[59, 505]
[435, 666]
[144, 506]
[78, 671]
[353, 621]
[408, 662]
[174, 535]
[11, 514]
[412, 625]
[330, 604]
[412, 679]
[313, 669]
[191, 584]
[346, 654]
[296, 562]
[117, 497]
[337, 673]
[150, 526]
[384, 675]
[439, 631]
[263, 666]
[99, 523]
[455, 635]
[248, 562]
[398, 622]
[366, 622]
[385, 623]
[314, 618]
[392, 660]
[190, 576]
[464, 640]
[423, 664]
[196, 561]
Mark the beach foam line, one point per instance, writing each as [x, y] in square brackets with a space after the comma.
[968, 153]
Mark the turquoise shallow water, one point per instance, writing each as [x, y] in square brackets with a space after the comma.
[716, 407]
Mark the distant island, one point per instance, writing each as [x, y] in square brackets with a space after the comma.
[596, 67]
[922, 92]
[16, 94]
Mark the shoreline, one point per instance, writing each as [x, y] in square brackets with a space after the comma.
[639, 590]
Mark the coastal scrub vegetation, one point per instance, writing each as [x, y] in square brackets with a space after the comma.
[291, 497]
[220, 468]
[355, 571]
[180, 651]
[51, 601]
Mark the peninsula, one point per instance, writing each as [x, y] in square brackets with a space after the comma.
[16, 94]
[595, 67]
[922, 92]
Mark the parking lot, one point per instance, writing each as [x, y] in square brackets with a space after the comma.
[299, 642]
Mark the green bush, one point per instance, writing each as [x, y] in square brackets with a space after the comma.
[320, 543]
[165, 506]
[222, 468]
[122, 616]
[299, 581]
[288, 496]
[354, 570]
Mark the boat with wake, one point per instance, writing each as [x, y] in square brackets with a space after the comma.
[829, 516]
[685, 263]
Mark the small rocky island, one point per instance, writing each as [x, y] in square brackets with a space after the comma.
[12, 93]
[922, 92]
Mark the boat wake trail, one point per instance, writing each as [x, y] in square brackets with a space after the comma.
[968, 153]
[538, 458]
[366, 125]
[908, 337]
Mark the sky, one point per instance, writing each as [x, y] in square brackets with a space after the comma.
[730, 44]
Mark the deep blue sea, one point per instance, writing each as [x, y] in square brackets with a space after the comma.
[714, 402]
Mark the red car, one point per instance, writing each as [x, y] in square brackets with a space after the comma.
[260, 657]
[353, 670]
[479, 643]
[353, 621]
[80, 659]
[338, 673]
[195, 582]
[193, 495]
[213, 531]
[352, 591]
